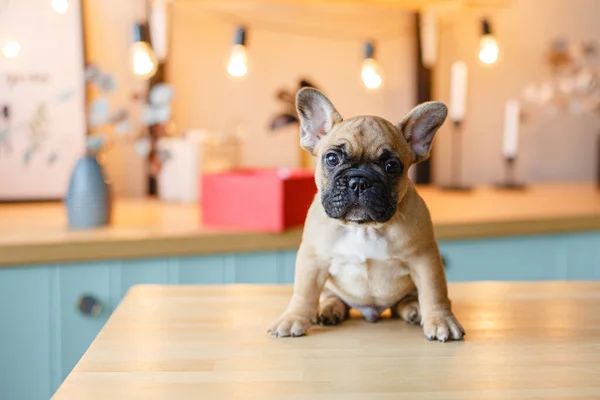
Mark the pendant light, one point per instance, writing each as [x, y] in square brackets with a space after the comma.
[371, 73]
[142, 59]
[488, 46]
[238, 58]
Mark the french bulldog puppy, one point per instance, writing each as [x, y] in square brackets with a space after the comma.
[368, 240]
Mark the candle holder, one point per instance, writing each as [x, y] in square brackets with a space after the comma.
[510, 182]
[456, 162]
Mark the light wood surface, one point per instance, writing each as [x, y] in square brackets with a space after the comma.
[38, 233]
[524, 341]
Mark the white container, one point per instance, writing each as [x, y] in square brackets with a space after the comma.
[189, 156]
[179, 178]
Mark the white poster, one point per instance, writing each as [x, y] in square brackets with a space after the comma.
[42, 97]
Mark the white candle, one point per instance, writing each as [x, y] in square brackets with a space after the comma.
[429, 33]
[158, 28]
[511, 128]
[458, 91]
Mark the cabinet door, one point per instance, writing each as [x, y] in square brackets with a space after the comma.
[286, 266]
[259, 268]
[26, 353]
[134, 272]
[584, 257]
[203, 270]
[509, 259]
[78, 328]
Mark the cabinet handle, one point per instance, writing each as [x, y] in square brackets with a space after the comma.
[89, 305]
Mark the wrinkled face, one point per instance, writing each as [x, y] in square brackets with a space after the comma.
[362, 162]
[362, 170]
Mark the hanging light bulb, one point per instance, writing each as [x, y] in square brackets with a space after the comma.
[238, 59]
[11, 49]
[488, 46]
[142, 59]
[60, 6]
[370, 73]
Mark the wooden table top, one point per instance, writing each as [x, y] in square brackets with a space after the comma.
[524, 341]
[38, 233]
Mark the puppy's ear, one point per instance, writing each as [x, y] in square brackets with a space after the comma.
[317, 117]
[420, 125]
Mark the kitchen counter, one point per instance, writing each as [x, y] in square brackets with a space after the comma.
[524, 341]
[33, 233]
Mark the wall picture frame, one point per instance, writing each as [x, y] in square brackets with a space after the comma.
[42, 98]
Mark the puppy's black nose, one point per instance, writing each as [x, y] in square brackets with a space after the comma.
[359, 184]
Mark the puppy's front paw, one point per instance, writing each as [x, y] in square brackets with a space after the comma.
[443, 328]
[291, 324]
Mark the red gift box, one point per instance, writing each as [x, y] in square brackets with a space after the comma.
[269, 200]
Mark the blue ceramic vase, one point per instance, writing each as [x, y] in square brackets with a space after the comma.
[88, 200]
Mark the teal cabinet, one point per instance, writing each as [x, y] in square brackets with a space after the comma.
[43, 333]
[27, 334]
[583, 258]
[128, 273]
[204, 270]
[255, 268]
[77, 330]
[536, 258]
[525, 259]
[276, 267]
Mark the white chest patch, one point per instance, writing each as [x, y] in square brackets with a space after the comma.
[359, 244]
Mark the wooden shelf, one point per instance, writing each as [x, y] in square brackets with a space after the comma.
[38, 233]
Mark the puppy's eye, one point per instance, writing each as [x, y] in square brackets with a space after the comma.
[392, 167]
[332, 159]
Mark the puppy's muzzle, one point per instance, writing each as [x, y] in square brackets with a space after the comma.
[358, 182]
[359, 195]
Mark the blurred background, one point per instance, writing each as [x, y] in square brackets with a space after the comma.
[156, 141]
